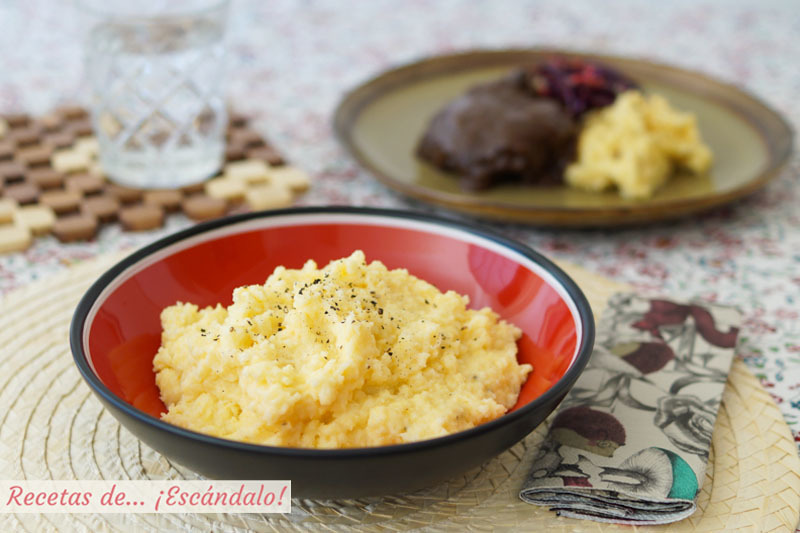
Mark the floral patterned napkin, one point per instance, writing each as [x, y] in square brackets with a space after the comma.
[629, 443]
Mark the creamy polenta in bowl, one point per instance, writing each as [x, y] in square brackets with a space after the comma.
[349, 355]
[353, 351]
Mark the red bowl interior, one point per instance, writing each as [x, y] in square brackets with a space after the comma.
[124, 333]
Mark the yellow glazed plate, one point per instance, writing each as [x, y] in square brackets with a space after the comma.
[381, 121]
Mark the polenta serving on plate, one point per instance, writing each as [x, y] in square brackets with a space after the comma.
[349, 355]
[634, 145]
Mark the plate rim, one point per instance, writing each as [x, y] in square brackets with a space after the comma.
[354, 100]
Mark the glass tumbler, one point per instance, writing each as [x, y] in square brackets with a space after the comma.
[156, 71]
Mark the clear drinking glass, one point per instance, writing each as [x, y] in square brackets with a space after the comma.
[156, 70]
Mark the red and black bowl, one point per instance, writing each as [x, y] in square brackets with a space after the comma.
[116, 332]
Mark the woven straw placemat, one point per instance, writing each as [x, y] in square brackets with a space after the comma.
[52, 427]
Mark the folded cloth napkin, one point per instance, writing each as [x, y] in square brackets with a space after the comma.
[629, 443]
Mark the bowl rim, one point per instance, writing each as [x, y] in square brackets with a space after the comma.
[559, 388]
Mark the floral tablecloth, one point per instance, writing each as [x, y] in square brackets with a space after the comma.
[292, 61]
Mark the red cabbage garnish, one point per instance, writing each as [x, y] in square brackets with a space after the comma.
[578, 85]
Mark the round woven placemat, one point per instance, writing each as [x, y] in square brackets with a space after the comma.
[52, 427]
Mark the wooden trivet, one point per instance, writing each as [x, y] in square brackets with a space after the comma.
[52, 182]
[52, 427]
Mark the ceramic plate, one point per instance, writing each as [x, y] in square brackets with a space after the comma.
[381, 121]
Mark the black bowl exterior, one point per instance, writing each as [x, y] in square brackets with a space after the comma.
[340, 473]
[356, 476]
